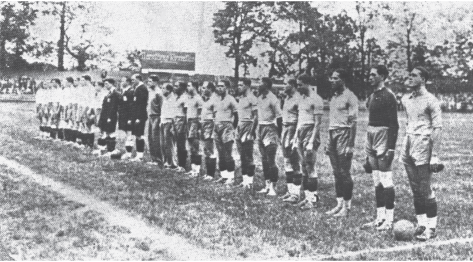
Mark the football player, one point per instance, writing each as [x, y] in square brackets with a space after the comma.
[291, 156]
[342, 132]
[55, 107]
[309, 119]
[124, 115]
[380, 144]
[226, 120]
[193, 105]
[40, 111]
[100, 93]
[420, 150]
[180, 125]
[168, 139]
[89, 114]
[68, 101]
[246, 130]
[208, 116]
[139, 114]
[109, 116]
[154, 111]
[269, 130]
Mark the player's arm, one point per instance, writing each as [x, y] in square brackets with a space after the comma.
[235, 113]
[278, 115]
[352, 120]
[436, 116]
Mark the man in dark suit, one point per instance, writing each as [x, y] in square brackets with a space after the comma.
[139, 114]
[109, 117]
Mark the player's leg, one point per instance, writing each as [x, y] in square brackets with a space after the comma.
[430, 202]
[331, 151]
[264, 162]
[287, 150]
[181, 138]
[138, 132]
[228, 136]
[219, 144]
[194, 146]
[344, 162]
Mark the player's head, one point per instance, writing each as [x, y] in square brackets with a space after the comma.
[222, 87]
[86, 79]
[168, 89]
[136, 79]
[244, 85]
[417, 77]
[208, 88]
[70, 81]
[109, 83]
[378, 74]
[55, 83]
[153, 81]
[191, 88]
[303, 82]
[291, 86]
[339, 79]
[266, 85]
[181, 87]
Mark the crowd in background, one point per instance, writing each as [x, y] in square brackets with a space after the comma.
[22, 85]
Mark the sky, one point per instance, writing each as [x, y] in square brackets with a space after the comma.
[187, 27]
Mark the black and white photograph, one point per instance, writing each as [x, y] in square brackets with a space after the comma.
[236, 130]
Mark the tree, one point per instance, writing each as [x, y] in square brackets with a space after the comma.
[66, 12]
[236, 27]
[15, 20]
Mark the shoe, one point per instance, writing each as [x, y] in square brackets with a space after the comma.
[241, 184]
[126, 156]
[152, 163]
[287, 195]
[300, 203]
[106, 155]
[263, 191]
[193, 174]
[179, 169]
[208, 178]
[271, 191]
[342, 213]
[419, 231]
[427, 234]
[97, 152]
[373, 224]
[38, 137]
[136, 159]
[307, 205]
[292, 199]
[167, 166]
[386, 226]
[229, 182]
[334, 210]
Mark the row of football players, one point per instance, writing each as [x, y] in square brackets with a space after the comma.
[181, 115]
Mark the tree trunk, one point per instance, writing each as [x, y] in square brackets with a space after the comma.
[3, 42]
[300, 52]
[60, 43]
[408, 51]
[237, 58]
[363, 54]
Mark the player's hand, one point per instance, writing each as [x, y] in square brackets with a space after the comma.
[349, 151]
[137, 121]
[309, 147]
[129, 122]
[109, 120]
[389, 156]
[435, 165]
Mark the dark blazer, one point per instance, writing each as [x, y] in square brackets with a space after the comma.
[109, 111]
[140, 103]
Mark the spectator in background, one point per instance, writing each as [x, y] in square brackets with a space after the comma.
[155, 102]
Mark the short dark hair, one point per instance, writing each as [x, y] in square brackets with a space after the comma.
[110, 81]
[211, 86]
[246, 81]
[423, 72]
[56, 80]
[100, 83]
[138, 76]
[268, 81]
[292, 82]
[183, 85]
[169, 87]
[195, 84]
[154, 78]
[305, 79]
[226, 83]
[128, 80]
[87, 78]
[70, 80]
[382, 70]
[342, 73]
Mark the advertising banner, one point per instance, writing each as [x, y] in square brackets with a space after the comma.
[167, 60]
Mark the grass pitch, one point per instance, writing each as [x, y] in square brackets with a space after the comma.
[245, 225]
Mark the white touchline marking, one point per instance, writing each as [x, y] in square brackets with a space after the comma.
[178, 247]
[394, 249]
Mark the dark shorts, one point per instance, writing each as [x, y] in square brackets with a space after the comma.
[287, 136]
[123, 118]
[180, 125]
[244, 132]
[139, 129]
[224, 132]
[416, 150]
[207, 129]
[303, 137]
[268, 134]
[376, 143]
[338, 141]
[193, 127]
